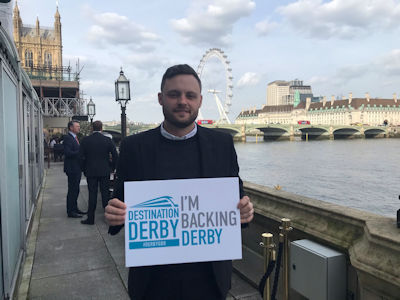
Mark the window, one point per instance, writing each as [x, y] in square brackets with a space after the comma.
[47, 60]
[28, 58]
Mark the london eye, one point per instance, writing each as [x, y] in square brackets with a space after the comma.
[223, 108]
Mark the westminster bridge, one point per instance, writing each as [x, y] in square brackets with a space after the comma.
[275, 132]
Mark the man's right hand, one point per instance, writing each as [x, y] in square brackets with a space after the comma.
[115, 212]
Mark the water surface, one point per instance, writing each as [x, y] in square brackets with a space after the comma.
[362, 173]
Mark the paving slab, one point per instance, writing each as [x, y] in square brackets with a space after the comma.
[95, 284]
[65, 262]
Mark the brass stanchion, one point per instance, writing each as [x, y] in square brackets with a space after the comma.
[269, 255]
[283, 237]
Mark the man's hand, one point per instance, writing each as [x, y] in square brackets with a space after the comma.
[246, 210]
[115, 212]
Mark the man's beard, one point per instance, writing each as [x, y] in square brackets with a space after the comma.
[170, 118]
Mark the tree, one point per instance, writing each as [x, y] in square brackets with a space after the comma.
[86, 129]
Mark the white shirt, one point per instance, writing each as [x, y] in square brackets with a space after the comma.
[73, 134]
[170, 136]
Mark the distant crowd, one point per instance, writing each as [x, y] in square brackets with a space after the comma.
[56, 146]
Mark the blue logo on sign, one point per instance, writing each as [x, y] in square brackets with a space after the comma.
[164, 201]
[153, 223]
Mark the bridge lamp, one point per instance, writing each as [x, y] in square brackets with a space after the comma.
[91, 110]
[122, 95]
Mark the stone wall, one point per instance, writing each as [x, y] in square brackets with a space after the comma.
[370, 242]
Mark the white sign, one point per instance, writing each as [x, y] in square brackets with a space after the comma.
[181, 221]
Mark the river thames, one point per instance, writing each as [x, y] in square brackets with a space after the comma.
[361, 173]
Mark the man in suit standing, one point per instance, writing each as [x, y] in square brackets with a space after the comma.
[177, 149]
[72, 168]
[98, 158]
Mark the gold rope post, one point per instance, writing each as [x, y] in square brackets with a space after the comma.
[285, 228]
[269, 255]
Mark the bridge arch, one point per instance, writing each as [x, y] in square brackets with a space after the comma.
[314, 133]
[346, 133]
[374, 132]
[231, 131]
[275, 133]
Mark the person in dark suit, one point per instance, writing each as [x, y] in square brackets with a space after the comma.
[72, 168]
[95, 152]
[177, 149]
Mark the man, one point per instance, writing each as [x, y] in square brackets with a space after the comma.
[94, 153]
[177, 149]
[72, 168]
[58, 150]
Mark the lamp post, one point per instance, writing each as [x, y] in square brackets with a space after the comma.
[122, 95]
[91, 110]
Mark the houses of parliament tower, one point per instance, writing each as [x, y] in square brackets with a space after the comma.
[38, 47]
[40, 50]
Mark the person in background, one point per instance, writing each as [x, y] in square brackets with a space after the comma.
[94, 154]
[72, 168]
[58, 150]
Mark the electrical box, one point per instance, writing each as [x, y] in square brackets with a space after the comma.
[317, 272]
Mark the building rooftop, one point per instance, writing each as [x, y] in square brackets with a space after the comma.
[45, 32]
[279, 82]
[356, 103]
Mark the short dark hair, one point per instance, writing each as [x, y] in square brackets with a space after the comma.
[97, 126]
[179, 70]
[70, 123]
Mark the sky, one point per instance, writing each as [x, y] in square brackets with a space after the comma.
[336, 46]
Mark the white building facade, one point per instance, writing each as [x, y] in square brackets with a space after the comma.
[351, 111]
[277, 92]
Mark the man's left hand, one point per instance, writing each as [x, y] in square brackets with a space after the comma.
[246, 210]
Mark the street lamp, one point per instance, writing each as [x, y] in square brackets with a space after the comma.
[122, 95]
[91, 110]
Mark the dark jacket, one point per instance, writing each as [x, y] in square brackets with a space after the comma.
[138, 161]
[71, 154]
[94, 155]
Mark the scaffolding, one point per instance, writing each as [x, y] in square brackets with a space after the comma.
[63, 107]
[41, 72]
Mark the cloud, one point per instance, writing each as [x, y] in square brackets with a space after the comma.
[383, 70]
[387, 64]
[344, 19]
[113, 29]
[248, 79]
[390, 63]
[148, 62]
[318, 80]
[265, 27]
[212, 24]
[98, 87]
[90, 67]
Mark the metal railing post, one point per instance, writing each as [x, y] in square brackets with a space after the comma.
[269, 255]
[285, 228]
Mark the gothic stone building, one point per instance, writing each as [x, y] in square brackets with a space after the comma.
[40, 52]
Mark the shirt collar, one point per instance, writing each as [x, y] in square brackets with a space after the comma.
[73, 134]
[172, 137]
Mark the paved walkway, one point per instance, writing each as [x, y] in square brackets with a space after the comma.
[68, 260]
